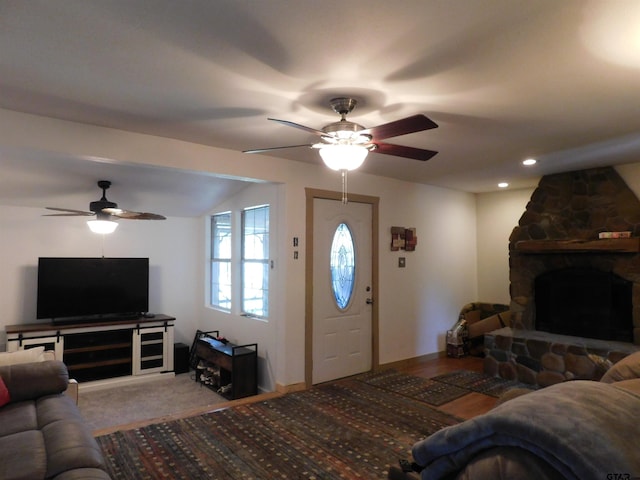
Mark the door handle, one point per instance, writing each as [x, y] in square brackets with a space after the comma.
[369, 301]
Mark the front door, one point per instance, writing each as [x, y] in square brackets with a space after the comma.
[342, 289]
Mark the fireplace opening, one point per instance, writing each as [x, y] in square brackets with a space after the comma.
[584, 302]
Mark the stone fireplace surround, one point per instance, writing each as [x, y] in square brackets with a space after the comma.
[559, 229]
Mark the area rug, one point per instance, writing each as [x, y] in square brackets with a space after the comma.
[430, 391]
[167, 395]
[479, 382]
[344, 430]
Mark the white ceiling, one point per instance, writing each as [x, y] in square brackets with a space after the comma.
[503, 79]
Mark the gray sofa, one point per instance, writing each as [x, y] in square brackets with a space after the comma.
[42, 434]
[577, 430]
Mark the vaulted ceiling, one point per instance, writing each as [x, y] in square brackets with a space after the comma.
[504, 79]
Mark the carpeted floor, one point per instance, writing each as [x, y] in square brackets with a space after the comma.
[150, 399]
[423, 389]
[441, 389]
[479, 382]
[348, 429]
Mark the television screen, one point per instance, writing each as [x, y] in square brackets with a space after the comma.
[92, 287]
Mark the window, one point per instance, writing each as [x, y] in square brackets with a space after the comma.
[343, 265]
[240, 264]
[221, 261]
[255, 261]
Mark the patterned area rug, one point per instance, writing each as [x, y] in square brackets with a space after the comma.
[423, 389]
[345, 430]
[479, 382]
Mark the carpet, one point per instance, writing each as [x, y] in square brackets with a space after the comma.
[426, 390]
[348, 429]
[167, 395]
[480, 382]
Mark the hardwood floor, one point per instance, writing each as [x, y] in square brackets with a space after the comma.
[469, 406]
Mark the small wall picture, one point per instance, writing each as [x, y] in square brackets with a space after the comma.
[410, 239]
[397, 238]
[403, 239]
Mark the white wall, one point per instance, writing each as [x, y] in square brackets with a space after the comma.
[417, 304]
[421, 301]
[498, 214]
[26, 235]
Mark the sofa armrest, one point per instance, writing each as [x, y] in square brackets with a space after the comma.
[72, 390]
[28, 381]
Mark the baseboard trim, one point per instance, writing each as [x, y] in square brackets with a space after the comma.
[410, 362]
[121, 381]
[294, 387]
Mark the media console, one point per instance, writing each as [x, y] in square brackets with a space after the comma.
[100, 350]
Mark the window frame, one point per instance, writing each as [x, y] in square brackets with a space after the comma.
[221, 260]
[237, 264]
[264, 260]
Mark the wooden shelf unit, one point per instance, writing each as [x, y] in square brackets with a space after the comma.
[96, 355]
[237, 364]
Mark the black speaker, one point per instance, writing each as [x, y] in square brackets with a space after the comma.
[180, 358]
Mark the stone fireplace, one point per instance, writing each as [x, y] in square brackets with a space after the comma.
[558, 232]
[575, 298]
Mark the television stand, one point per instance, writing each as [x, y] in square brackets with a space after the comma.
[98, 350]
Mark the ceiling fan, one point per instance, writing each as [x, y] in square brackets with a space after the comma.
[104, 210]
[344, 133]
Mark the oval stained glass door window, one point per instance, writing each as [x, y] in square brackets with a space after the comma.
[343, 266]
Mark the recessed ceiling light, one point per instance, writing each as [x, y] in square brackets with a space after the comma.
[503, 185]
[529, 161]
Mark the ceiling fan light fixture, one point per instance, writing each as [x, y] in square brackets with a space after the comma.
[102, 226]
[343, 157]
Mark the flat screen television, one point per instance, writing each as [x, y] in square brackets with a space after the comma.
[72, 289]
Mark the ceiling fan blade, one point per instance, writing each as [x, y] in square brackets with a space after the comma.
[260, 150]
[66, 215]
[129, 215]
[142, 216]
[415, 123]
[320, 133]
[69, 212]
[404, 151]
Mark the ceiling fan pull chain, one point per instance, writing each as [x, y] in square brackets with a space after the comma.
[344, 186]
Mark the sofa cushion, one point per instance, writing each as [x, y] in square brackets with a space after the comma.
[32, 380]
[35, 354]
[83, 474]
[5, 397]
[18, 417]
[626, 369]
[69, 444]
[53, 408]
[22, 456]
[631, 385]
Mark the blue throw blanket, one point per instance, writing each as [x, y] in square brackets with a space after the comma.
[584, 429]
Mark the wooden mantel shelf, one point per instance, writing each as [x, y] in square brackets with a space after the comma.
[605, 245]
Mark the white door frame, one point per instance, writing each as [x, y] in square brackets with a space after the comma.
[312, 194]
